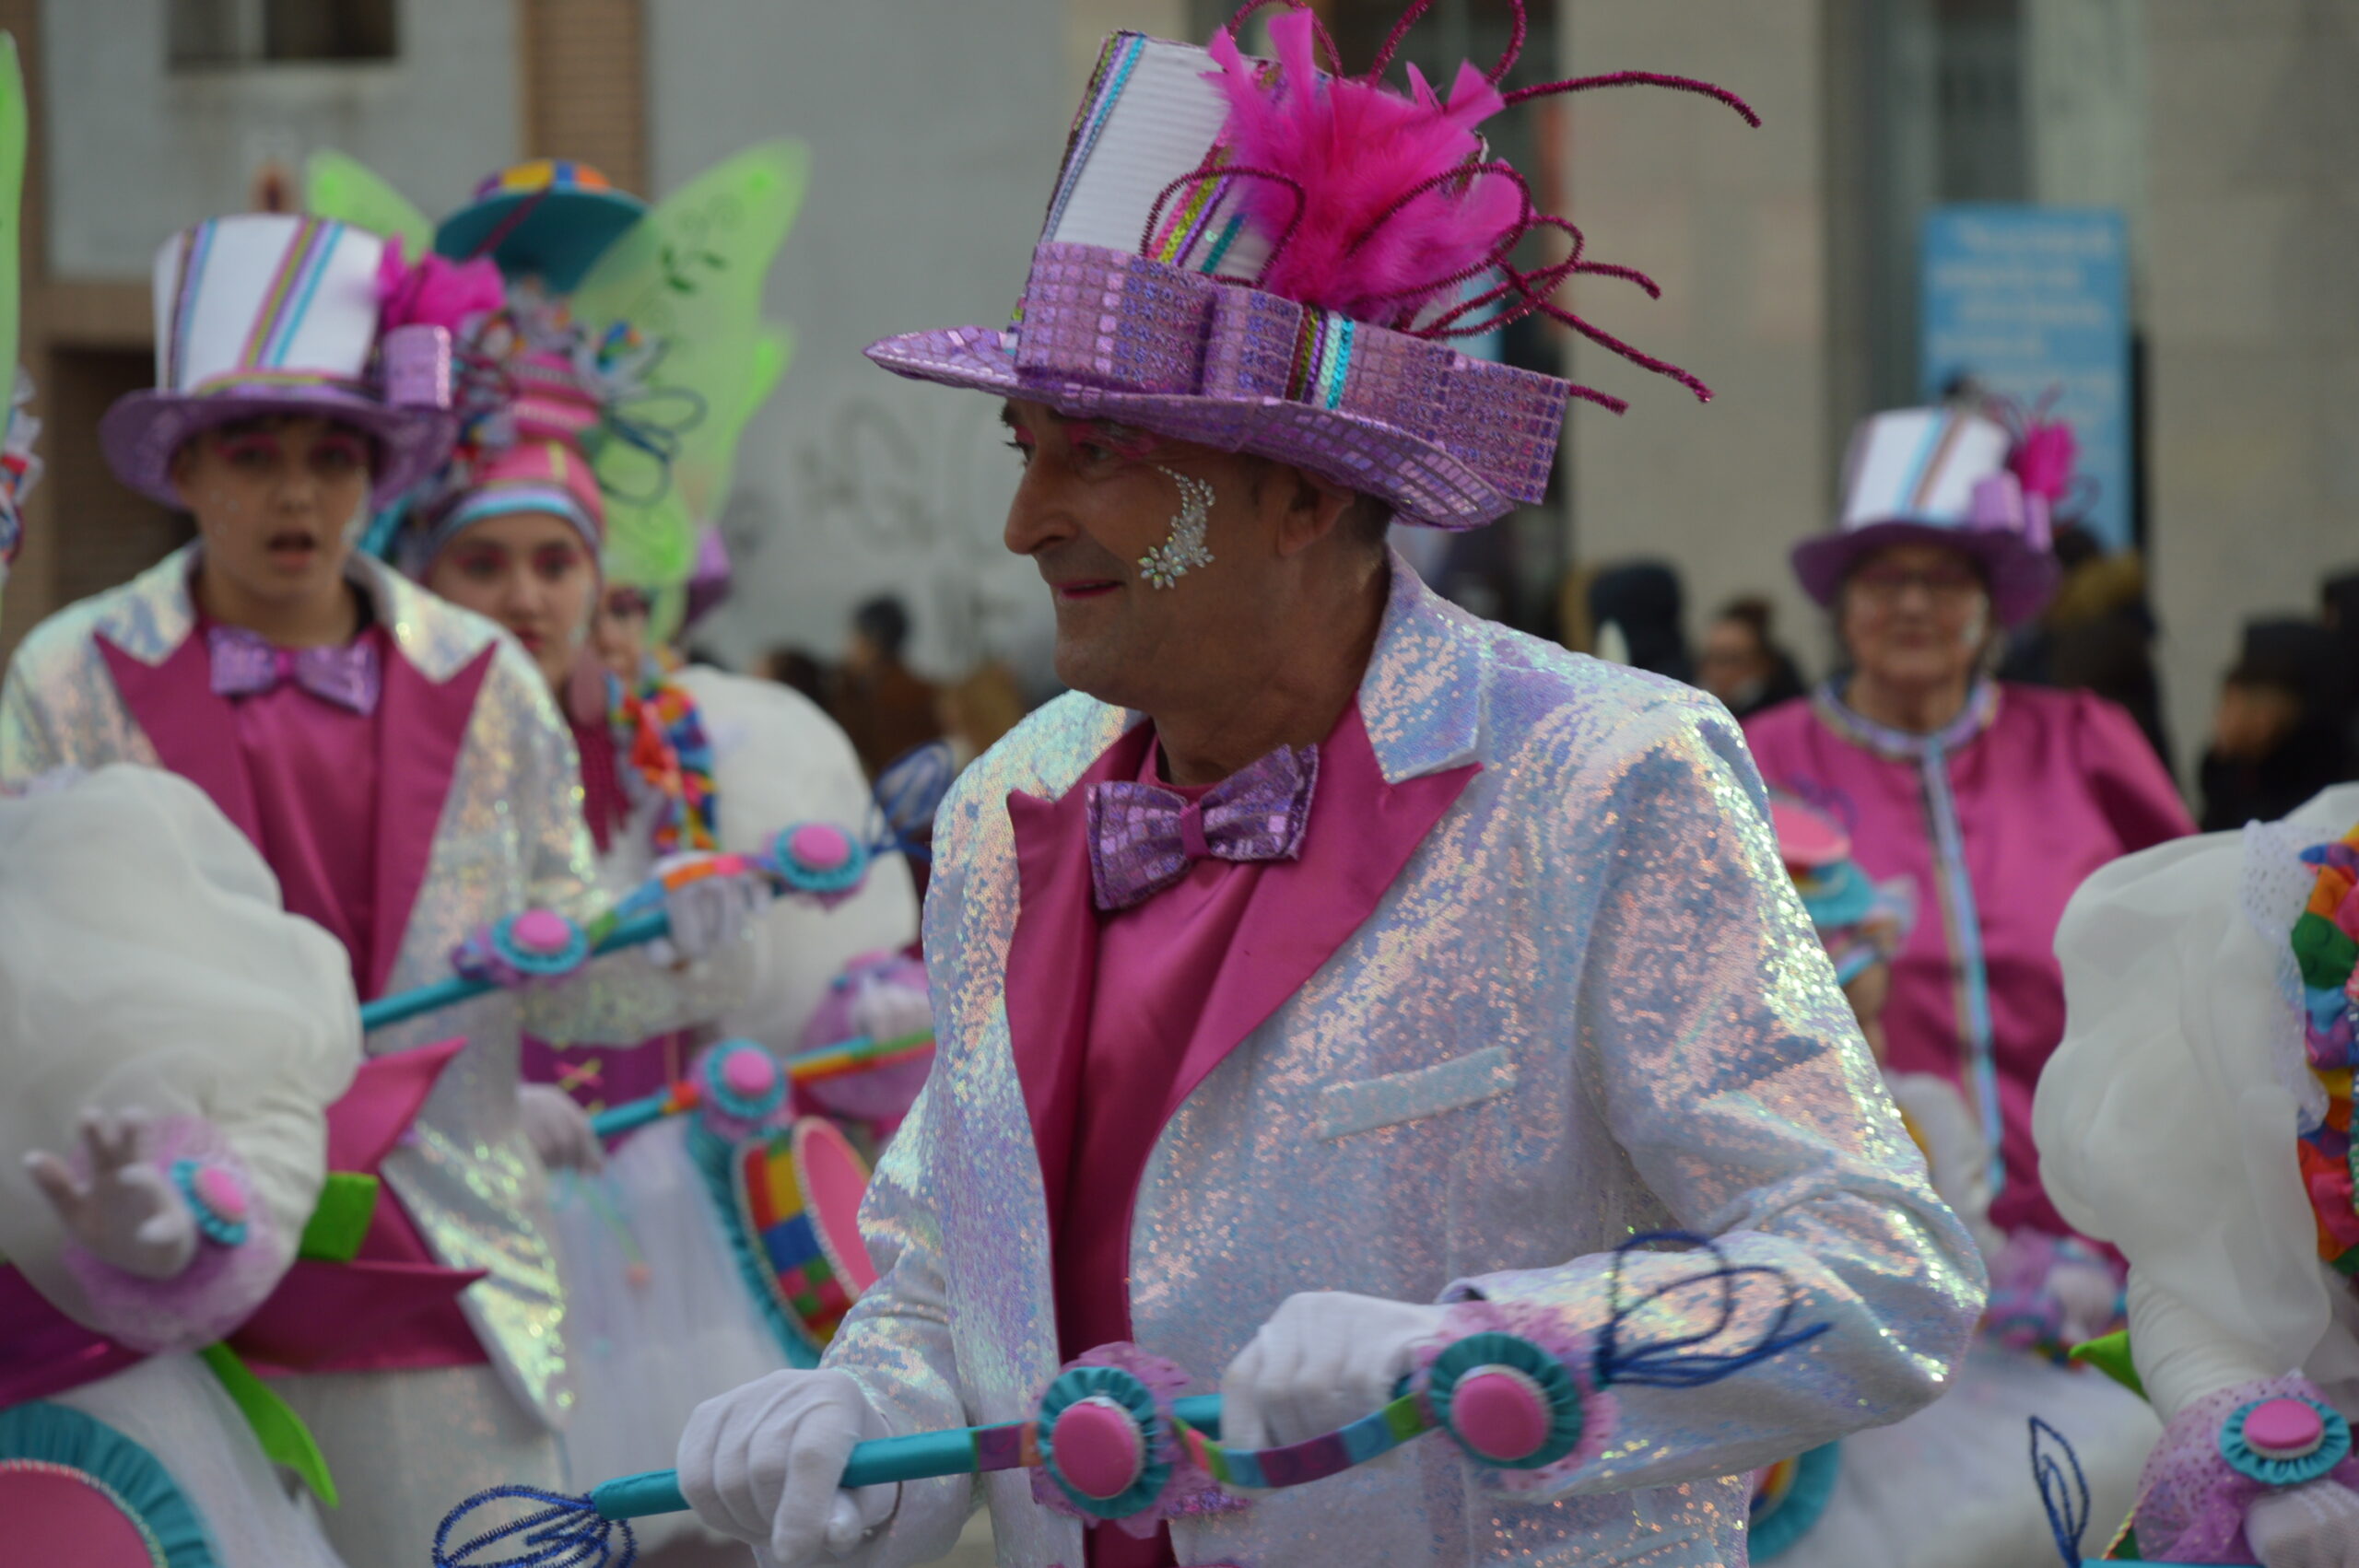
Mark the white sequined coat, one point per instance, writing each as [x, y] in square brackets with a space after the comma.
[1590, 1005]
[509, 836]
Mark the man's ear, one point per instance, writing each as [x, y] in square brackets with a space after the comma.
[1314, 504]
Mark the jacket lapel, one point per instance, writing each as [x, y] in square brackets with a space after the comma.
[421, 727]
[1053, 955]
[1362, 832]
[192, 729]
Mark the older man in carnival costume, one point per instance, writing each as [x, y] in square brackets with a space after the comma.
[1341, 976]
[2198, 1117]
[398, 764]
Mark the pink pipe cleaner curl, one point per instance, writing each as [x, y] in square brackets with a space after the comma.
[1377, 204]
[436, 292]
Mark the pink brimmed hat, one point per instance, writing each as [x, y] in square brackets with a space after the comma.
[1263, 257]
[273, 313]
[1952, 478]
[536, 463]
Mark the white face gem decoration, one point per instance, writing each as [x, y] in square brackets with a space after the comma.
[1183, 550]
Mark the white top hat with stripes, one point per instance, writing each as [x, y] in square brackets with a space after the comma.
[273, 313]
[1937, 477]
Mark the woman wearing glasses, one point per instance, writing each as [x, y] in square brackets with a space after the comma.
[1995, 801]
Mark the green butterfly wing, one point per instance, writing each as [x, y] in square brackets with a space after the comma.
[689, 275]
[12, 188]
[339, 186]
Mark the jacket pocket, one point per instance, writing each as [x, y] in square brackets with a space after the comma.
[1371, 1103]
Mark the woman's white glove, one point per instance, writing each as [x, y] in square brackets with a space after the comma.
[1324, 1359]
[2313, 1526]
[128, 1214]
[761, 1464]
[708, 914]
[558, 1129]
[886, 1010]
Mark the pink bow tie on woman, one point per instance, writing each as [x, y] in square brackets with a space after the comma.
[245, 663]
[1143, 838]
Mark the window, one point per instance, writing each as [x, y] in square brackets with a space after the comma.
[203, 33]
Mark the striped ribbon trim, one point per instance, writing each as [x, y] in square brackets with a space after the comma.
[1323, 360]
[1114, 72]
[186, 283]
[247, 379]
[1331, 1454]
[1187, 224]
[288, 296]
[1953, 886]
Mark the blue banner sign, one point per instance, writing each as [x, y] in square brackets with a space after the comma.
[2031, 303]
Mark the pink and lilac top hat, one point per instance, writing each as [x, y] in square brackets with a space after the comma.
[1265, 257]
[1952, 478]
[273, 313]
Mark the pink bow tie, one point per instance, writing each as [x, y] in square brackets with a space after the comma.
[1143, 838]
[245, 663]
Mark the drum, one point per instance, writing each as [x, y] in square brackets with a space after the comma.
[796, 1195]
[1789, 1497]
[75, 1489]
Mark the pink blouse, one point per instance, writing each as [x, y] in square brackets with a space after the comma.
[1994, 822]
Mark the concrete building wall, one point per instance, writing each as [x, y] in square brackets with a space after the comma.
[135, 150]
[1732, 223]
[935, 128]
[2252, 317]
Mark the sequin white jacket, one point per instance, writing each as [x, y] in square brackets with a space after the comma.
[1590, 1005]
[509, 836]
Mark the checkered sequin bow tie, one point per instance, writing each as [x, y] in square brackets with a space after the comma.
[1143, 838]
[245, 663]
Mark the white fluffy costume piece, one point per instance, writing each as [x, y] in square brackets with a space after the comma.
[146, 966]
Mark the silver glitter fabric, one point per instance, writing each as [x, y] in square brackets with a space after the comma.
[1590, 1005]
[510, 837]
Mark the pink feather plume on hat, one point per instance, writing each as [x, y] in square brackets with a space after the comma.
[1357, 178]
[436, 291]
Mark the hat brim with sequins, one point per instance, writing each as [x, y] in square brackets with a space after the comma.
[1164, 294]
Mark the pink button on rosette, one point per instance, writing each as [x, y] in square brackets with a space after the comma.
[2284, 1429]
[749, 1074]
[819, 847]
[218, 1189]
[1499, 1413]
[1097, 1448]
[541, 932]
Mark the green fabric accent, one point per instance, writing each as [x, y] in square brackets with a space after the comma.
[2325, 954]
[2109, 1354]
[348, 1202]
[285, 1439]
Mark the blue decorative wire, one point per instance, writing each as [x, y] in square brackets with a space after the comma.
[2063, 1489]
[566, 1532]
[907, 793]
[1675, 1364]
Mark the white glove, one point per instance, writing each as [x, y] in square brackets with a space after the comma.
[2312, 1526]
[2089, 1296]
[886, 1010]
[1323, 1360]
[710, 914]
[761, 1463]
[128, 1214]
[558, 1129]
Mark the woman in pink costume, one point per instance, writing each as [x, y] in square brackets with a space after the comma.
[1993, 801]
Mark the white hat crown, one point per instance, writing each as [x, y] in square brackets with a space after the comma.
[266, 297]
[1920, 466]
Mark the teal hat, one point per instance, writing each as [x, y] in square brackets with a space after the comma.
[551, 218]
